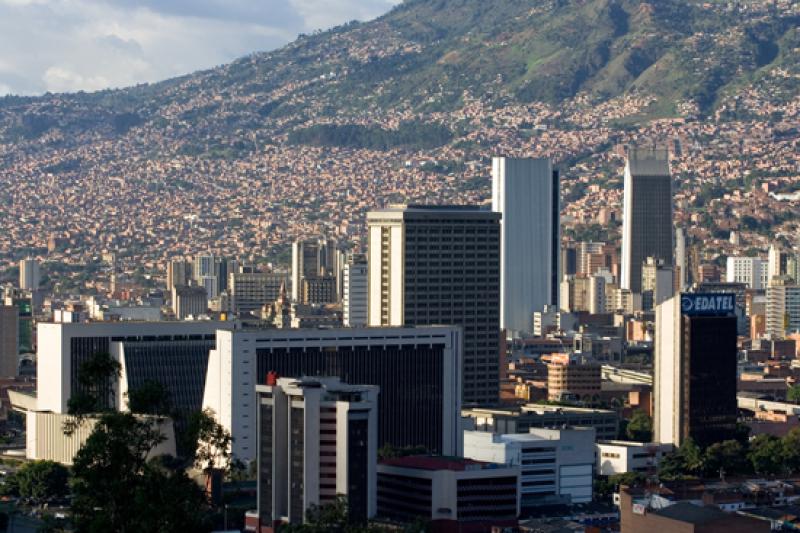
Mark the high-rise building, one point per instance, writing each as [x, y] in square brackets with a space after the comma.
[739, 290]
[318, 290]
[647, 219]
[417, 370]
[658, 283]
[317, 438]
[777, 262]
[752, 271]
[29, 278]
[179, 272]
[355, 291]
[682, 271]
[695, 369]
[526, 193]
[203, 266]
[189, 301]
[249, 292]
[441, 265]
[9, 340]
[312, 258]
[783, 307]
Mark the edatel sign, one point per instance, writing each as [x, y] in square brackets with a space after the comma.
[708, 304]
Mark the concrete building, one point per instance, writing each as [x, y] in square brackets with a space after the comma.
[179, 272]
[311, 258]
[417, 369]
[441, 265]
[783, 307]
[522, 418]
[355, 291]
[556, 465]
[777, 263]
[9, 340]
[318, 290]
[189, 301]
[29, 277]
[658, 283]
[249, 292]
[695, 369]
[752, 271]
[620, 457]
[317, 438]
[570, 379]
[451, 493]
[647, 218]
[526, 193]
[682, 271]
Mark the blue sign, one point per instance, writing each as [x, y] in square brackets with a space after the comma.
[708, 304]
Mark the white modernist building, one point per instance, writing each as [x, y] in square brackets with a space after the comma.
[620, 457]
[418, 370]
[319, 434]
[556, 465]
[752, 271]
[526, 193]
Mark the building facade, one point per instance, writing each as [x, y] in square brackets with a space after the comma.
[647, 217]
[29, 277]
[521, 419]
[441, 265]
[695, 369]
[9, 340]
[355, 289]
[317, 438]
[417, 370]
[752, 271]
[250, 291]
[526, 193]
[189, 301]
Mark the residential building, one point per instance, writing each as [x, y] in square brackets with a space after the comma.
[418, 370]
[556, 465]
[783, 307]
[695, 369]
[647, 218]
[317, 438]
[441, 265]
[752, 271]
[451, 493]
[526, 193]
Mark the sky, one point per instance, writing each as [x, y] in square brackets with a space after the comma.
[72, 45]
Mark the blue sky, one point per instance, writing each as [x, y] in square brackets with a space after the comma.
[71, 45]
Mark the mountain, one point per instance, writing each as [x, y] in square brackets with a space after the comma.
[450, 80]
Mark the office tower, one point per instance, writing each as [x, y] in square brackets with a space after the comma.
[9, 340]
[189, 301]
[647, 218]
[318, 290]
[556, 465]
[29, 278]
[783, 307]
[251, 291]
[571, 379]
[569, 261]
[740, 292]
[203, 266]
[317, 438]
[452, 493]
[777, 262]
[417, 370]
[752, 271]
[355, 278]
[597, 293]
[526, 193]
[591, 257]
[312, 258]
[658, 283]
[441, 265]
[179, 272]
[681, 261]
[695, 369]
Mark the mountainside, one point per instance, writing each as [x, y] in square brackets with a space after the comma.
[408, 106]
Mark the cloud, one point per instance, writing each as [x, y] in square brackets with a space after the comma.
[69, 45]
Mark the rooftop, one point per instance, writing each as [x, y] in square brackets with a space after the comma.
[435, 462]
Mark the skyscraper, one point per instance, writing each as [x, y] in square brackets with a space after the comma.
[695, 369]
[647, 214]
[441, 265]
[317, 438]
[526, 193]
[9, 340]
[29, 274]
[681, 261]
[179, 272]
[354, 288]
[783, 306]
[311, 258]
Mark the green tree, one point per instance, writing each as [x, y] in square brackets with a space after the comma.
[793, 394]
[95, 392]
[766, 455]
[640, 427]
[727, 457]
[116, 488]
[791, 450]
[334, 517]
[151, 398]
[40, 481]
[685, 462]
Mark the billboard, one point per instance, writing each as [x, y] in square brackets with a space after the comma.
[711, 304]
